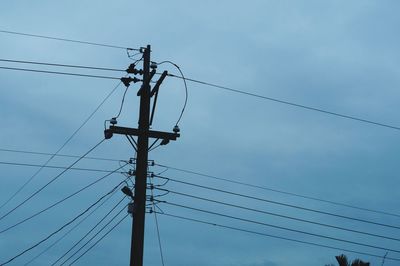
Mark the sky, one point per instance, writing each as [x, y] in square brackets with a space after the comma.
[339, 56]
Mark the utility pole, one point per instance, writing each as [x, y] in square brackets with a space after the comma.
[143, 134]
[138, 221]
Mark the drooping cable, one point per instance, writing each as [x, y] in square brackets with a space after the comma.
[276, 237]
[49, 182]
[184, 82]
[62, 146]
[122, 102]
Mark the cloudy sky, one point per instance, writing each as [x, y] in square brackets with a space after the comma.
[339, 56]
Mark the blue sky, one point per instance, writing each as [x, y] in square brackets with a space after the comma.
[336, 55]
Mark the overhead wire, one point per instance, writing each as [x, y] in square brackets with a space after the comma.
[62, 146]
[280, 215]
[49, 182]
[58, 73]
[60, 65]
[122, 102]
[184, 82]
[88, 232]
[157, 226]
[279, 191]
[276, 237]
[58, 155]
[101, 238]
[56, 231]
[263, 97]
[68, 40]
[59, 201]
[281, 203]
[96, 234]
[71, 230]
[56, 167]
[281, 227]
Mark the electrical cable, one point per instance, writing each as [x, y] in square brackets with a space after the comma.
[276, 237]
[280, 215]
[92, 246]
[281, 227]
[87, 233]
[60, 201]
[56, 231]
[157, 226]
[56, 167]
[94, 227]
[98, 232]
[62, 146]
[282, 204]
[290, 103]
[68, 40]
[49, 182]
[184, 82]
[70, 230]
[279, 191]
[58, 73]
[122, 102]
[60, 65]
[57, 155]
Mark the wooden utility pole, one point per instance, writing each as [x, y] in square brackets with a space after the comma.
[138, 220]
[143, 134]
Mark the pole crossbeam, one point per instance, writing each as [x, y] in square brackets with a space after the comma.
[135, 132]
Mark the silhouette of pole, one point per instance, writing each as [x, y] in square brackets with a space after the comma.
[143, 133]
[138, 221]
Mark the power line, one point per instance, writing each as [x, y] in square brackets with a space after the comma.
[68, 40]
[60, 65]
[69, 231]
[87, 233]
[289, 103]
[281, 227]
[58, 155]
[92, 246]
[122, 102]
[56, 167]
[49, 182]
[275, 236]
[63, 145]
[157, 226]
[58, 73]
[184, 82]
[58, 230]
[279, 191]
[60, 201]
[98, 232]
[280, 215]
[281, 203]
